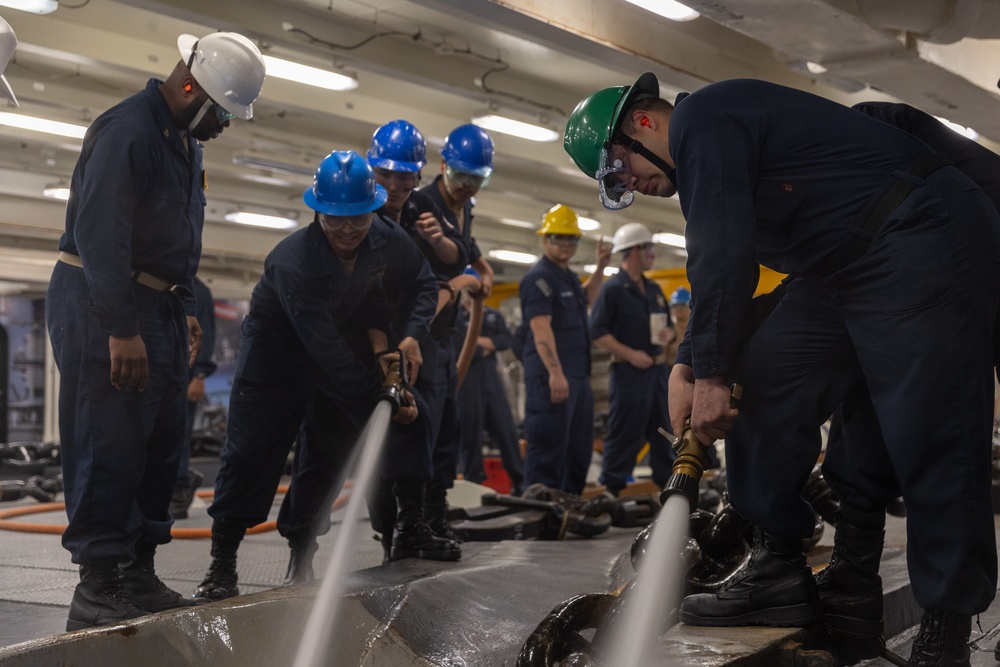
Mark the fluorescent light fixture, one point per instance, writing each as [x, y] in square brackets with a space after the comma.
[676, 240]
[588, 224]
[608, 270]
[33, 6]
[515, 128]
[669, 9]
[966, 132]
[261, 220]
[311, 76]
[273, 165]
[513, 256]
[266, 180]
[60, 192]
[522, 224]
[42, 125]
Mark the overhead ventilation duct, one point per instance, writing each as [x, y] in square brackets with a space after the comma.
[910, 49]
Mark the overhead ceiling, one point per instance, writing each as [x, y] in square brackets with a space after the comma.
[437, 63]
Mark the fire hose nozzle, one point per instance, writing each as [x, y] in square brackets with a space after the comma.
[394, 382]
[692, 460]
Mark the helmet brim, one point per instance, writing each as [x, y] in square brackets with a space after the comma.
[185, 44]
[337, 208]
[7, 91]
[646, 86]
[395, 165]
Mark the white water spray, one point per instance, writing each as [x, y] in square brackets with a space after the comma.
[314, 647]
[656, 591]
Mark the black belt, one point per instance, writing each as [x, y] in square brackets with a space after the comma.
[894, 196]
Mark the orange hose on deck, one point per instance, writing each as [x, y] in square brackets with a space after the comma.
[178, 533]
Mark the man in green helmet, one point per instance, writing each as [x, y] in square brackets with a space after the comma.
[894, 252]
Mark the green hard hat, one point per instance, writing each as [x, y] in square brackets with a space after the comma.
[598, 117]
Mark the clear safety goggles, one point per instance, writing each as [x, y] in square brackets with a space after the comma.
[461, 178]
[614, 177]
[221, 114]
[404, 180]
[563, 239]
[337, 222]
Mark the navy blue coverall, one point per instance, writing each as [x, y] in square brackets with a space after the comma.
[203, 367]
[560, 436]
[436, 379]
[777, 176]
[136, 204]
[857, 420]
[305, 360]
[637, 397]
[482, 403]
[447, 440]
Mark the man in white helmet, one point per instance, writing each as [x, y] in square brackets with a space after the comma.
[121, 316]
[8, 42]
[631, 320]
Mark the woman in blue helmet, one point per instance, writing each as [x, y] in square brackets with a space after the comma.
[397, 153]
[307, 361]
[466, 168]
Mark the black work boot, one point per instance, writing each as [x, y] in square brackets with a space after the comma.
[412, 538]
[776, 589]
[145, 588]
[943, 640]
[300, 569]
[850, 594]
[435, 513]
[183, 496]
[220, 580]
[100, 598]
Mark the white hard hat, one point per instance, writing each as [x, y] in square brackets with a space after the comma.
[228, 66]
[8, 40]
[630, 235]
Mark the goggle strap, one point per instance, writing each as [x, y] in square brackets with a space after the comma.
[636, 146]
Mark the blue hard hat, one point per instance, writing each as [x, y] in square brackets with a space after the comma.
[469, 149]
[681, 296]
[398, 146]
[344, 184]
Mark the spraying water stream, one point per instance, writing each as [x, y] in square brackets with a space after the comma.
[656, 591]
[314, 649]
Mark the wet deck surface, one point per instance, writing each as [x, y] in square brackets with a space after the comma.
[474, 612]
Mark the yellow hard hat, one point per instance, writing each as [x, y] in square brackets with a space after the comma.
[560, 220]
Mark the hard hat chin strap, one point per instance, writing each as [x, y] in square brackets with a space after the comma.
[636, 146]
[201, 114]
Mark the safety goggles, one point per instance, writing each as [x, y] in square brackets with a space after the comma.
[337, 222]
[614, 177]
[563, 239]
[404, 180]
[221, 114]
[464, 178]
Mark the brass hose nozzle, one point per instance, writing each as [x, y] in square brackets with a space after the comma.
[692, 460]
